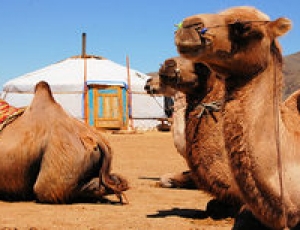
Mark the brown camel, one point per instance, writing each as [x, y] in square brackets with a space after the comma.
[205, 150]
[182, 179]
[261, 134]
[52, 157]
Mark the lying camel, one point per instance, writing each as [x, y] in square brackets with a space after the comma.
[205, 150]
[182, 179]
[52, 157]
[261, 134]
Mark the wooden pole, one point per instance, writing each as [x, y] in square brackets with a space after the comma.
[85, 89]
[130, 121]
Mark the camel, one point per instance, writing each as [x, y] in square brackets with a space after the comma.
[182, 179]
[50, 156]
[205, 150]
[261, 133]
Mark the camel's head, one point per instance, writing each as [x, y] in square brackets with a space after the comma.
[153, 86]
[183, 75]
[178, 74]
[242, 37]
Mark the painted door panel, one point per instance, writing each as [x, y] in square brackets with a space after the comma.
[106, 107]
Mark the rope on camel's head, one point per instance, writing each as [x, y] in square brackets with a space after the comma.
[201, 32]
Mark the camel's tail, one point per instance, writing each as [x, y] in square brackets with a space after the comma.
[114, 183]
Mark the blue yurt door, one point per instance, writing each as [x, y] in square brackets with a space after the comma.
[107, 106]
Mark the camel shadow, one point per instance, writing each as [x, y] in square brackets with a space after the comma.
[184, 213]
[149, 178]
[215, 209]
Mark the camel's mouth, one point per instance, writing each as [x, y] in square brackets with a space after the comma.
[150, 89]
[192, 39]
[153, 91]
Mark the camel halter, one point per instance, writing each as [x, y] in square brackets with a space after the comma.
[209, 108]
[276, 109]
[205, 108]
[157, 102]
[202, 31]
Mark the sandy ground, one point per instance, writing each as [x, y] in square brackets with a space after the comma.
[142, 159]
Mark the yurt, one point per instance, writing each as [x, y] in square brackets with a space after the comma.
[95, 89]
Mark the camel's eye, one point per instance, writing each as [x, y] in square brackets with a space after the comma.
[199, 27]
[241, 27]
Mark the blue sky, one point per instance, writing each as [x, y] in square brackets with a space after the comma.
[37, 33]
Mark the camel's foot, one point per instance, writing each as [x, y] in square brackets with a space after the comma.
[246, 221]
[217, 209]
[180, 180]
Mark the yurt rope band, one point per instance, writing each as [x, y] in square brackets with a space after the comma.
[157, 102]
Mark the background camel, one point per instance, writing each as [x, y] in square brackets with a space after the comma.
[52, 157]
[261, 134]
[205, 150]
[182, 179]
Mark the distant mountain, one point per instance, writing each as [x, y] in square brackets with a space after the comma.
[152, 74]
[291, 72]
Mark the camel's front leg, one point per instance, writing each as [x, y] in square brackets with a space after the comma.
[179, 180]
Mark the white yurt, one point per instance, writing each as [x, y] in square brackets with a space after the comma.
[106, 102]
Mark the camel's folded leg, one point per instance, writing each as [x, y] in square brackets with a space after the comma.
[179, 180]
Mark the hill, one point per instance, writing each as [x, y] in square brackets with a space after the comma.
[291, 71]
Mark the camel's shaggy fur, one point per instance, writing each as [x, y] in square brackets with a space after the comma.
[52, 157]
[261, 134]
[205, 150]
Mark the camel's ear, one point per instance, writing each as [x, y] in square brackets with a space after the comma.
[280, 26]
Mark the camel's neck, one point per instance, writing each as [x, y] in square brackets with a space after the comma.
[251, 116]
[252, 111]
[179, 101]
[178, 127]
[211, 90]
[201, 119]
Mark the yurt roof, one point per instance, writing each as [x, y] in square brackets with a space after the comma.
[68, 75]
